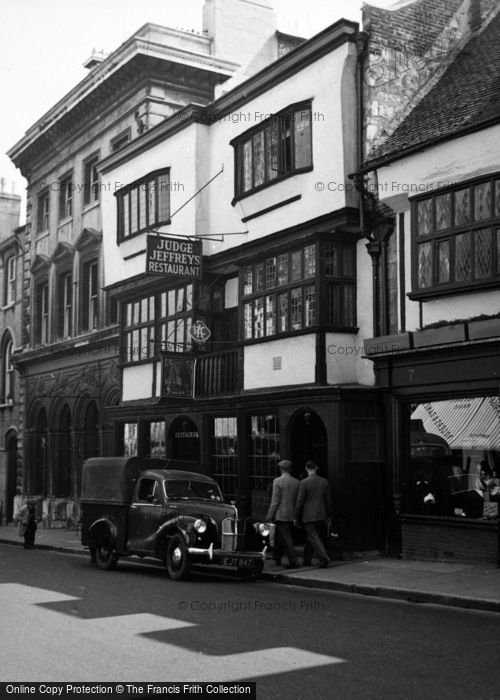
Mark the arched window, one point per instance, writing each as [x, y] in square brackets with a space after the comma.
[7, 378]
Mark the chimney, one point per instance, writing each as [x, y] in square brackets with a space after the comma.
[10, 210]
[242, 31]
[95, 59]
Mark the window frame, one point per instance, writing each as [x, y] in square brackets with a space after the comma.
[320, 280]
[43, 212]
[8, 375]
[450, 235]
[281, 153]
[10, 271]
[41, 330]
[65, 310]
[155, 327]
[86, 325]
[66, 190]
[131, 194]
[91, 180]
[120, 140]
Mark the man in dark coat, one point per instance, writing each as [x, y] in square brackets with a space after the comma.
[27, 524]
[313, 509]
[282, 512]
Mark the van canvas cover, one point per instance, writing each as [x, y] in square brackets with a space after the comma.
[112, 479]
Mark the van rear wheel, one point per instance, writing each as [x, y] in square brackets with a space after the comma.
[105, 556]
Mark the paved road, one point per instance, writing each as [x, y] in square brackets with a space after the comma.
[62, 620]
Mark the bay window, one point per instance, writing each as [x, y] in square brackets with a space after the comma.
[157, 322]
[300, 289]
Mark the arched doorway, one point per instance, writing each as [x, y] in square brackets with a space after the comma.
[61, 484]
[308, 440]
[11, 449]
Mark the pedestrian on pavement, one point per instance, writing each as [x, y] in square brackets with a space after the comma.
[313, 509]
[27, 524]
[282, 511]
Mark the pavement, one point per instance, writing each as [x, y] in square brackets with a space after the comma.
[463, 585]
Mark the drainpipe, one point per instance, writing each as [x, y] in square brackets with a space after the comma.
[361, 45]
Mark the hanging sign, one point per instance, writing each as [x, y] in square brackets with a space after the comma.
[173, 257]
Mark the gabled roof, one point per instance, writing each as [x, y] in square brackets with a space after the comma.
[466, 98]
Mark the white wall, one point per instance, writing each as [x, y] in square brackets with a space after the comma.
[137, 382]
[344, 360]
[298, 362]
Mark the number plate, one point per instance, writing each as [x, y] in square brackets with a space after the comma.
[240, 562]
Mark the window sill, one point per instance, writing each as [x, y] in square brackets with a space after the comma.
[437, 292]
[276, 180]
[90, 205]
[11, 305]
[142, 231]
[6, 405]
[65, 221]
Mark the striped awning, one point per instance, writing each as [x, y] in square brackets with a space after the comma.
[466, 424]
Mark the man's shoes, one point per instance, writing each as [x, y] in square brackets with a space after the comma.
[292, 566]
[325, 564]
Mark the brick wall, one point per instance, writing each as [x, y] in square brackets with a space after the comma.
[409, 49]
[450, 540]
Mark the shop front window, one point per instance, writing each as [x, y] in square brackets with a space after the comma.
[455, 458]
[225, 455]
[130, 440]
[264, 454]
[155, 439]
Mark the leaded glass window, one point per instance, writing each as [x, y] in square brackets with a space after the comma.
[455, 231]
[425, 264]
[483, 256]
[279, 146]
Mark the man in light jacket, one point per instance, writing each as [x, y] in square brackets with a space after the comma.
[313, 509]
[282, 511]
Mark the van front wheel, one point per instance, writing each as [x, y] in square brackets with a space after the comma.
[177, 558]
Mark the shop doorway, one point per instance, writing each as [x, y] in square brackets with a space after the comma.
[11, 445]
[184, 440]
[308, 440]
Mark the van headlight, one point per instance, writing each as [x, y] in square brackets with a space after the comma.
[200, 526]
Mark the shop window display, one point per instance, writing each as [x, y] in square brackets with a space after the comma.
[455, 458]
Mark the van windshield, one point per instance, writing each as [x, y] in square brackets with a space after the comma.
[202, 490]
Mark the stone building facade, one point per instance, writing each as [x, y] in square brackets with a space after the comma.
[11, 292]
